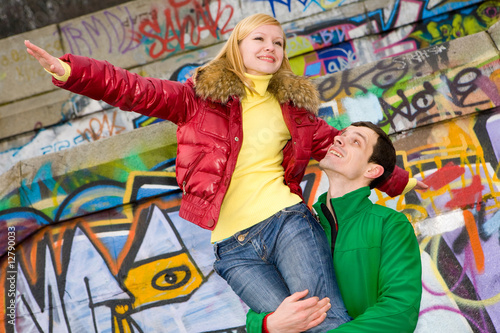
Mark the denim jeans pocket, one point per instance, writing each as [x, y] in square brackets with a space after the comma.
[302, 212]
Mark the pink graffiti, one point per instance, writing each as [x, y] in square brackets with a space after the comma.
[489, 88]
[393, 44]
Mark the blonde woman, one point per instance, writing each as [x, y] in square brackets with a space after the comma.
[247, 128]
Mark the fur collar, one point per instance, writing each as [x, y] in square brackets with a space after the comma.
[217, 83]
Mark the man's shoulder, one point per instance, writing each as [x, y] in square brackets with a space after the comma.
[388, 213]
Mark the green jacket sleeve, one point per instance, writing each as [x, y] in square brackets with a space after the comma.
[400, 285]
[254, 321]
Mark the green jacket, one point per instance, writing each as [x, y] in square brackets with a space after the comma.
[377, 264]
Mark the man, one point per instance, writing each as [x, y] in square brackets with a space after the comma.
[376, 253]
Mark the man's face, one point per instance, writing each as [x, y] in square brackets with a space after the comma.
[262, 50]
[349, 154]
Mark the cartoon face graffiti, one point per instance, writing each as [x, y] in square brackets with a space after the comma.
[162, 270]
[165, 280]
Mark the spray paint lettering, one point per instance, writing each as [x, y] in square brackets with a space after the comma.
[173, 36]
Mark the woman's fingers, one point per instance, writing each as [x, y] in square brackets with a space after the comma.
[45, 59]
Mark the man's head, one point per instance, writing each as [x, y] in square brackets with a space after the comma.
[363, 154]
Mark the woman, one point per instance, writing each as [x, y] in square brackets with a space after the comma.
[246, 131]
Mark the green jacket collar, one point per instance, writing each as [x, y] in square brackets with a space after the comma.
[347, 205]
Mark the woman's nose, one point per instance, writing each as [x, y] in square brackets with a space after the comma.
[269, 47]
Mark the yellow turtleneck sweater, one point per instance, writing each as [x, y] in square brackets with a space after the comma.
[257, 190]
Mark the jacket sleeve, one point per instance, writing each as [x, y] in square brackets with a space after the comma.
[118, 87]
[322, 139]
[400, 285]
[396, 183]
[254, 321]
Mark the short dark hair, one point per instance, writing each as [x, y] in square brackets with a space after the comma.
[384, 153]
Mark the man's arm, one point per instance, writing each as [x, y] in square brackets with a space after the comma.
[255, 321]
[294, 314]
[400, 285]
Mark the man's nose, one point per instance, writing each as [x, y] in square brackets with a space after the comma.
[339, 140]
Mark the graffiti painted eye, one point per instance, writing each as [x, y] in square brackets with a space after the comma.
[171, 278]
[491, 12]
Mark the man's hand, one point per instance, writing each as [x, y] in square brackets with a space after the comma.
[296, 315]
[47, 61]
[421, 186]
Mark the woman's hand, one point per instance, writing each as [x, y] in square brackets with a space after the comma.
[47, 61]
[421, 186]
[296, 315]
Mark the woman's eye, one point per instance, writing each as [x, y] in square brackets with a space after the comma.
[278, 43]
[259, 38]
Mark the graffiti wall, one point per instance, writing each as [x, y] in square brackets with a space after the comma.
[145, 37]
[136, 268]
[341, 43]
[140, 267]
[90, 236]
[450, 104]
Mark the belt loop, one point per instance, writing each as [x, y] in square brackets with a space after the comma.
[216, 251]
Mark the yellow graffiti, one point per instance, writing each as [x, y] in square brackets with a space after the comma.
[298, 45]
[455, 141]
[127, 196]
[121, 324]
[489, 6]
[459, 26]
[495, 78]
[327, 4]
[163, 280]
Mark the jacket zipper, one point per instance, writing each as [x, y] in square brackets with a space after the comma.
[334, 225]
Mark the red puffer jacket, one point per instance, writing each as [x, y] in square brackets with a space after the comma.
[207, 111]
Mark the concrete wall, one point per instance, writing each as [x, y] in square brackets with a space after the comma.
[18, 16]
[89, 226]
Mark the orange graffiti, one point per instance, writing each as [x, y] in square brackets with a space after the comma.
[477, 250]
[97, 128]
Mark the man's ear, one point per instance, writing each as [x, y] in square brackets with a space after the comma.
[374, 171]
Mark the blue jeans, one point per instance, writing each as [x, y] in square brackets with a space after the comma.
[286, 253]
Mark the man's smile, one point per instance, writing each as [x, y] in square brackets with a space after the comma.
[335, 152]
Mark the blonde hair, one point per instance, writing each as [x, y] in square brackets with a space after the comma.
[231, 51]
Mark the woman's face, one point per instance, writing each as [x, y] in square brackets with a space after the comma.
[262, 50]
